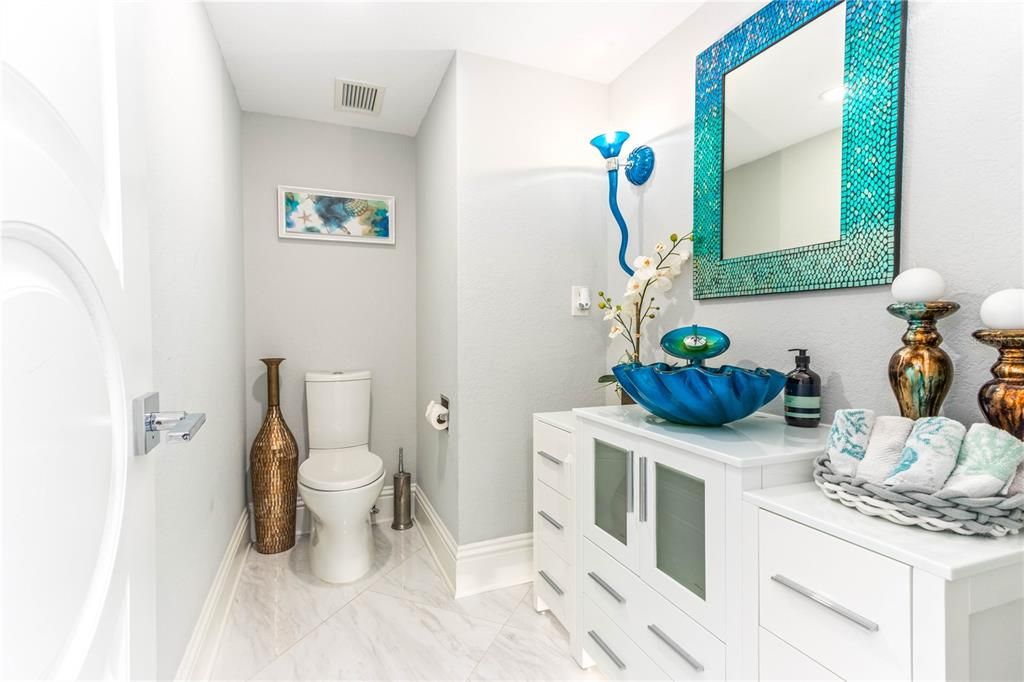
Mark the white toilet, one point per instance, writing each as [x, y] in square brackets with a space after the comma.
[341, 478]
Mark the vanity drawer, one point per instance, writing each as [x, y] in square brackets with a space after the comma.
[779, 662]
[828, 598]
[553, 582]
[554, 522]
[552, 461]
[617, 656]
[676, 642]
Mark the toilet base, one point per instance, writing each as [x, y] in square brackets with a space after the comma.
[342, 559]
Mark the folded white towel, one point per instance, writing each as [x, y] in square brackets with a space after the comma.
[848, 439]
[1016, 484]
[885, 447]
[929, 455]
[988, 459]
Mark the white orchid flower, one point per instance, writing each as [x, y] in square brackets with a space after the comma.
[634, 286]
[616, 330]
[643, 262]
[609, 314]
[662, 283]
[646, 274]
[660, 247]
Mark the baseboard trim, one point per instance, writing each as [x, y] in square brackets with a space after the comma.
[385, 503]
[474, 567]
[197, 662]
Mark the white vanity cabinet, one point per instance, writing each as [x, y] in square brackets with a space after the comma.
[841, 595]
[554, 515]
[659, 556]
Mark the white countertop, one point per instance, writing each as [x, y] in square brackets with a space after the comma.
[944, 554]
[560, 420]
[758, 440]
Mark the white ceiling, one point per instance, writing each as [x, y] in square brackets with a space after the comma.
[284, 56]
[774, 100]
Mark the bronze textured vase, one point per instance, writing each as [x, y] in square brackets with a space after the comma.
[921, 373]
[1002, 398]
[274, 468]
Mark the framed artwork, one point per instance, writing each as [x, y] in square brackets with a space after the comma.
[305, 213]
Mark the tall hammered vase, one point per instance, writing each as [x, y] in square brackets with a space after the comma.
[921, 373]
[274, 468]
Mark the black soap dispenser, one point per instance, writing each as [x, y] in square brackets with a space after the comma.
[803, 393]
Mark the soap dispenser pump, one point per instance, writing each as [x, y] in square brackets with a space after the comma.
[803, 393]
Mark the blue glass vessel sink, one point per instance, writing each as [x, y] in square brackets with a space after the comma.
[698, 395]
[694, 393]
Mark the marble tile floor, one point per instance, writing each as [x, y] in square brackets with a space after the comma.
[399, 622]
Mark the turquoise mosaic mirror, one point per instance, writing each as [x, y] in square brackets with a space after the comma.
[797, 150]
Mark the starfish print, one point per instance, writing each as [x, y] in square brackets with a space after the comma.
[305, 218]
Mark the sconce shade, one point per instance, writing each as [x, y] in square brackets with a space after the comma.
[610, 144]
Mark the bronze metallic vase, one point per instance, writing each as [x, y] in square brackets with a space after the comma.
[921, 373]
[1002, 398]
[274, 468]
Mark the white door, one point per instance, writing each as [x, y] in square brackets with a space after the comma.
[608, 489]
[77, 506]
[681, 510]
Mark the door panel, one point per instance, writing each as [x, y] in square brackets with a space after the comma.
[608, 494]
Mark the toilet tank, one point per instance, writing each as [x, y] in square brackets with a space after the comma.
[338, 408]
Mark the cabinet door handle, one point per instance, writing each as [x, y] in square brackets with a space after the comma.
[547, 517]
[846, 613]
[550, 457]
[607, 588]
[660, 634]
[554, 586]
[629, 482]
[643, 489]
[607, 649]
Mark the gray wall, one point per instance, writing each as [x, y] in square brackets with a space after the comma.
[962, 175]
[330, 305]
[532, 197]
[190, 120]
[436, 299]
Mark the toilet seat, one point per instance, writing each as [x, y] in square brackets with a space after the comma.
[341, 469]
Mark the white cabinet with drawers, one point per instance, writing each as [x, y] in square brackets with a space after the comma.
[841, 595]
[554, 515]
[661, 566]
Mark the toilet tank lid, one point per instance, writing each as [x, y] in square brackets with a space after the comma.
[340, 375]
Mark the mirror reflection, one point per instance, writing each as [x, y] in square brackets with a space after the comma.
[782, 151]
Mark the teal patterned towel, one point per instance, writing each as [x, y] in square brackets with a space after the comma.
[988, 460]
[929, 455]
[848, 439]
[1016, 484]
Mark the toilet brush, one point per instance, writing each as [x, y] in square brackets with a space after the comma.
[403, 496]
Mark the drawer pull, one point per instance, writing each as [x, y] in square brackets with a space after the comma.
[554, 586]
[660, 634]
[846, 613]
[607, 588]
[607, 649]
[643, 489]
[550, 458]
[629, 482]
[547, 517]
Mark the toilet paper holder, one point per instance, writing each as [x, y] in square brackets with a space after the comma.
[441, 420]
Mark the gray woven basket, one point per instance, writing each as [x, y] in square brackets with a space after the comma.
[993, 516]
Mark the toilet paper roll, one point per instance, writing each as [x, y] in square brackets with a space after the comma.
[437, 415]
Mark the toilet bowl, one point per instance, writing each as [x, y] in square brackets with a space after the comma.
[341, 479]
[339, 487]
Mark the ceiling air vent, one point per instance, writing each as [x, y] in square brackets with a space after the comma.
[355, 96]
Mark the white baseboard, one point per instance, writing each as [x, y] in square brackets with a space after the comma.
[478, 566]
[198, 659]
[385, 503]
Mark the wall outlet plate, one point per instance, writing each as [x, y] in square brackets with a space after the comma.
[580, 301]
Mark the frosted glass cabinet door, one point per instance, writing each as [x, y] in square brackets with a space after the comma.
[682, 521]
[608, 488]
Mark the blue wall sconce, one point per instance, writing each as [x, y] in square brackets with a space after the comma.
[639, 166]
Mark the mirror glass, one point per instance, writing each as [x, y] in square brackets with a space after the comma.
[782, 151]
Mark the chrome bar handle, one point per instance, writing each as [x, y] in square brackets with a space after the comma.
[846, 613]
[148, 420]
[629, 482]
[671, 643]
[550, 458]
[607, 588]
[547, 517]
[186, 428]
[606, 649]
[643, 489]
[554, 586]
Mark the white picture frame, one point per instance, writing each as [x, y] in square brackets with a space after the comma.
[354, 217]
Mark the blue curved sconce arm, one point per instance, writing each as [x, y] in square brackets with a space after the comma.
[639, 166]
[613, 204]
